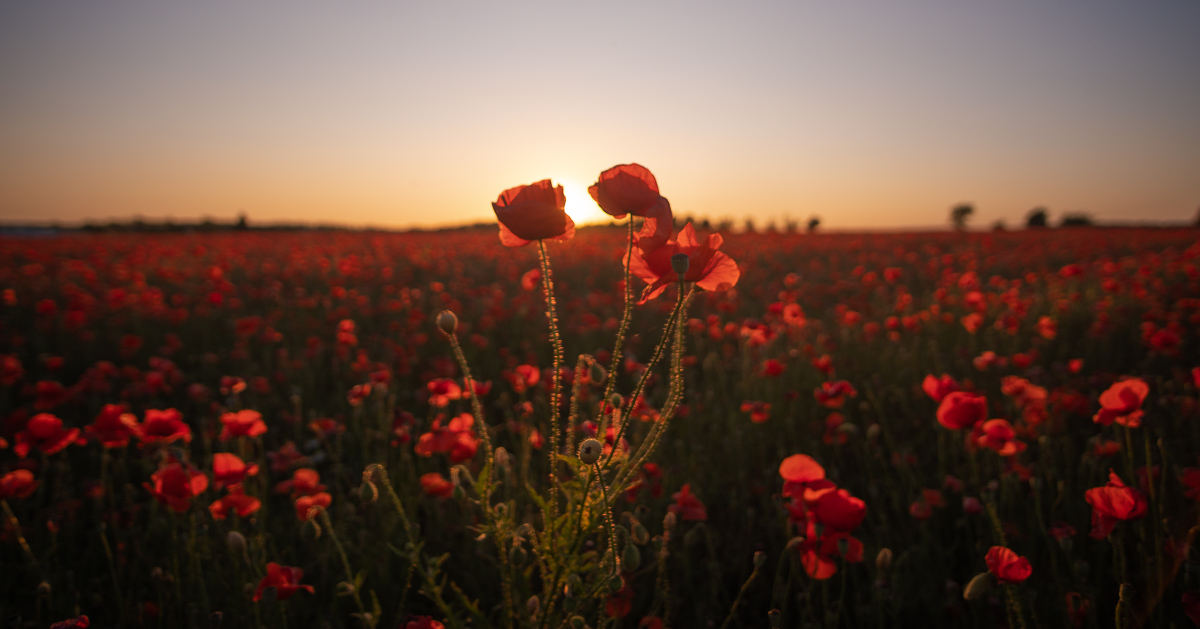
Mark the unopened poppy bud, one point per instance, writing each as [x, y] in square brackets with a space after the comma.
[596, 373]
[615, 583]
[638, 533]
[501, 510]
[669, 521]
[883, 560]
[631, 557]
[775, 618]
[760, 559]
[345, 588]
[501, 456]
[615, 400]
[43, 589]
[369, 492]
[310, 530]
[978, 587]
[680, 263]
[215, 619]
[873, 432]
[577, 622]
[236, 542]
[533, 605]
[447, 322]
[589, 451]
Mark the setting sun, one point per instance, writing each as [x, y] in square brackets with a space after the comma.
[580, 206]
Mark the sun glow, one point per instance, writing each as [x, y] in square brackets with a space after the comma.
[580, 206]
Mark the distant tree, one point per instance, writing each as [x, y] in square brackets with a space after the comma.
[748, 226]
[999, 226]
[1037, 217]
[959, 215]
[813, 224]
[1197, 217]
[705, 224]
[790, 225]
[725, 225]
[1076, 219]
[241, 222]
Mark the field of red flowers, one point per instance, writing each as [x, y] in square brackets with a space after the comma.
[844, 430]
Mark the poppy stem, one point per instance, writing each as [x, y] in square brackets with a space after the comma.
[556, 386]
[615, 360]
[12, 519]
[337, 543]
[742, 593]
[608, 520]
[477, 411]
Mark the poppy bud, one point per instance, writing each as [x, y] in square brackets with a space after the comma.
[589, 451]
[501, 510]
[669, 521]
[680, 263]
[597, 374]
[760, 559]
[533, 605]
[615, 583]
[447, 322]
[883, 560]
[615, 400]
[43, 589]
[310, 530]
[236, 542]
[638, 534]
[345, 588]
[873, 432]
[369, 492]
[775, 618]
[979, 586]
[577, 622]
[215, 619]
[630, 557]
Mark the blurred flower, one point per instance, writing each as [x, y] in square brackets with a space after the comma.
[244, 423]
[436, 485]
[304, 504]
[45, 432]
[235, 501]
[960, 410]
[999, 435]
[1112, 503]
[162, 427]
[17, 484]
[1122, 403]
[175, 486]
[229, 469]
[939, 388]
[112, 427]
[687, 505]
[1007, 566]
[710, 269]
[285, 580]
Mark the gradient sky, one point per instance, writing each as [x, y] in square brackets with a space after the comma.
[877, 114]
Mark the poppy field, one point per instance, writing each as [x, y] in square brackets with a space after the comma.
[364, 429]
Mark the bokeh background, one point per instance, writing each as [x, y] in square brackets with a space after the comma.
[871, 115]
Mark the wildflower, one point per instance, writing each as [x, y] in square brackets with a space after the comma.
[687, 505]
[45, 432]
[285, 580]
[632, 189]
[17, 484]
[710, 269]
[422, 622]
[759, 411]
[999, 435]
[162, 427]
[960, 410]
[456, 439]
[80, 622]
[304, 504]
[1122, 403]
[244, 423]
[533, 212]
[304, 482]
[1007, 566]
[1190, 479]
[772, 368]
[229, 469]
[939, 388]
[286, 457]
[436, 485]
[442, 391]
[1112, 503]
[112, 426]
[833, 394]
[175, 486]
[236, 501]
[798, 471]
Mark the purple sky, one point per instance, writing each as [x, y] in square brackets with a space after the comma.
[869, 114]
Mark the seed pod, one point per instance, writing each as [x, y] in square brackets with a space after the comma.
[615, 583]
[577, 622]
[597, 374]
[638, 533]
[43, 589]
[883, 560]
[533, 605]
[236, 542]
[775, 618]
[615, 400]
[447, 322]
[979, 586]
[760, 559]
[680, 263]
[669, 521]
[631, 557]
[589, 451]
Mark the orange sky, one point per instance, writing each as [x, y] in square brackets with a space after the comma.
[867, 114]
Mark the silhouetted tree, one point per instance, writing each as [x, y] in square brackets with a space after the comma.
[241, 223]
[1197, 217]
[1037, 217]
[999, 226]
[959, 215]
[1076, 219]
[813, 224]
[748, 226]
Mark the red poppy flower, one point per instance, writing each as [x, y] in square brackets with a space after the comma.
[1190, 479]
[285, 580]
[436, 485]
[17, 484]
[759, 411]
[162, 427]
[456, 439]
[286, 457]
[838, 510]
[73, 623]
[998, 435]
[422, 622]
[833, 394]
[798, 471]
[708, 268]
[112, 426]
[1007, 566]
[960, 410]
[235, 501]
[939, 388]
[229, 469]
[304, 504]
[1112, 503]
[304, 482]
[175, 486]
[442, 391]
[1122, 403]
[533, 212]
[46, 432]
[625, 189]
[244, 423]
[687, 505]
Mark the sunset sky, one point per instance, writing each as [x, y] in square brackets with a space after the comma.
[877, 114]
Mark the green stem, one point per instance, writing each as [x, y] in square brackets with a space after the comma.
[12, 519]
[615, 361]
[556, 386]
